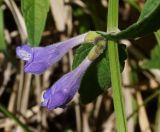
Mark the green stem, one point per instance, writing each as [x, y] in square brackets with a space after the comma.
[15, 119]
[115, 67]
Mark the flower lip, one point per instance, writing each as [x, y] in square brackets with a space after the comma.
[60, 100]
[24, 52]
[45, 94]
[44, 99]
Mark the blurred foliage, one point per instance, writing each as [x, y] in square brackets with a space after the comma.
[2, 41]
[18, 89]
[153, 63]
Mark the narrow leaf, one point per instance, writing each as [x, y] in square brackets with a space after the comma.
[2, 41]
[157, 35]
[134, 4]
[35, 14]
[149, 21]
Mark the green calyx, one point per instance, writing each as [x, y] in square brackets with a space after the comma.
[100, 45]
[91, 36]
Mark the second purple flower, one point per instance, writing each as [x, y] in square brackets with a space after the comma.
[65, 88]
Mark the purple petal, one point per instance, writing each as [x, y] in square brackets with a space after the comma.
[65, 88]
[35, 67]
[38, 59]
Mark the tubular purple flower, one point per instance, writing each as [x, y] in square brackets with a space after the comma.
[38, 59]
[65, 88]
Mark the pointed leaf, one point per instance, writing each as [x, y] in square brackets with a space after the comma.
[35, 14]
[2, 41]
[149, 21]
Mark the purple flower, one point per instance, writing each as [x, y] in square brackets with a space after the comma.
[38, 59]
[65, 88]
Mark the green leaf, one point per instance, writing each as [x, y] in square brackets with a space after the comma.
[157, 35]
[149, 21]
[35, 14]
[86, 87]
[154, 62]
[134, 4]
[97, 77]
[2, 41]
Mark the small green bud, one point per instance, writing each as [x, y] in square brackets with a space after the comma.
[100, 45]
